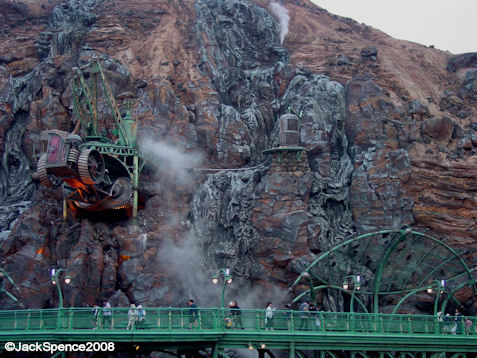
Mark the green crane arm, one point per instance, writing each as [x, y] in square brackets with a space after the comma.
[79, 85]
[112, 102]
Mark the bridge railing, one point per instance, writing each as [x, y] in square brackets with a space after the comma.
[224, 319]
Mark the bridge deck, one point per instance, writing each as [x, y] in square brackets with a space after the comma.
[211, 327]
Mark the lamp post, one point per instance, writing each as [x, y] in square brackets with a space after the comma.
[441, 287]
[55, 274]
[355, 281]
[307, 276]
[227, 281]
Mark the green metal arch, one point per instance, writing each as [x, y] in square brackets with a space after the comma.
[382, 263]
[402, 255]
[401, 301]
[337, 247]
[363, 306]
[451, 293]
[403, 235]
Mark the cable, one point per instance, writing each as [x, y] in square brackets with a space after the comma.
[228, 169]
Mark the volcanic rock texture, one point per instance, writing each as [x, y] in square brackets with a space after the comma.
[389, 130]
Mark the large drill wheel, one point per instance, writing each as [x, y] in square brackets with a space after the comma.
[48, 180]
[120, 195]
[91, 166]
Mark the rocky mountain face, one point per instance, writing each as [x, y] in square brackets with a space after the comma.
[389, 129]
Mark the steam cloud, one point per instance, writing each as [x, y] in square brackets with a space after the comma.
[281, 13]
[183, 259]
[174, 163]
[193, 280]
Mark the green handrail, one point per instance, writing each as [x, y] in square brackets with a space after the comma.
[213, 319]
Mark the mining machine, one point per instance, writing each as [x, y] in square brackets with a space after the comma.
[99, 171]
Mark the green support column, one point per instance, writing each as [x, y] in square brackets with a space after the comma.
[59, 313]
[292, 350]
[135, 190]
[215, 350]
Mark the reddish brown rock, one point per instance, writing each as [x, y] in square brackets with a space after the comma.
[282, 228]
[409, 165]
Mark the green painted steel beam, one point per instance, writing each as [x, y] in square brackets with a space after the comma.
[339, 288]
[169, 328]
[382, 263]
[400, 259]
[451, 294]
[112, 103]
[418, 263]
[276, 340]
[401, 236]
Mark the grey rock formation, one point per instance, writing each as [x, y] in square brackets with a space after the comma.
[236, 215]
[222, 216]
[469, 86]
[16, 186]
[241, 57]
[378, 197]
[70, 21]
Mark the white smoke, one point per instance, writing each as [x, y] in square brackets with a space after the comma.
[183, 263]
[182, 258]
[174, 164]
[281, 13]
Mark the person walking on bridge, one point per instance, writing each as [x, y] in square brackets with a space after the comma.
[193, 314]
[304, 315]
[314, 316]
[287, 315]
[141, 317]
[96, 316]
[269, 311]
[132, 315]
[237, 315]
[458, 319]
[107, 315]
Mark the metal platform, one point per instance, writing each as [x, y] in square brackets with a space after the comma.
[365, 334]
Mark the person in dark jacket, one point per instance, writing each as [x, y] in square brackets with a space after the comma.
[458, 322]
[193, 314]
[304, 315]
[236, 315]
[287, 315]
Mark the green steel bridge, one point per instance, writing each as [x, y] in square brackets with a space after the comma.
[377, 277]
[213, 330]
